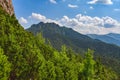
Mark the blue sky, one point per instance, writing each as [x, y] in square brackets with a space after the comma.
[84, 16]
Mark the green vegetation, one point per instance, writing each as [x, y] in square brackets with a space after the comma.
[58, 36]
[5, 66]
[27, 57]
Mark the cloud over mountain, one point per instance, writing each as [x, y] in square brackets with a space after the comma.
[23, 20]
[42, 18]
[91, 25]
[84, 24]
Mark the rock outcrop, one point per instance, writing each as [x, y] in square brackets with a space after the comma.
[7, 6]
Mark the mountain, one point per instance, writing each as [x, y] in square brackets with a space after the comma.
[111, 38]
[24, 56]
[59, 36]
[62, 35]
[115, 36]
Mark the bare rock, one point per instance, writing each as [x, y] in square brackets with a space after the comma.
[7, 6]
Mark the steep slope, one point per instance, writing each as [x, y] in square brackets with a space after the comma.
[62, 35]
[19, 46]
[26, 57]
[58, 36]
[108, 38]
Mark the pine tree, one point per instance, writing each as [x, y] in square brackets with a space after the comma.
[5, 66]
[89, 64]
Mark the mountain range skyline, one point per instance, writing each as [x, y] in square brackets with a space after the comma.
[84, 16]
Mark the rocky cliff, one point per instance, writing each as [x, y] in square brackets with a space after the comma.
[7, 6]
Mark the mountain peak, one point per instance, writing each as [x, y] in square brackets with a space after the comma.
[7, 6]
[52, 23]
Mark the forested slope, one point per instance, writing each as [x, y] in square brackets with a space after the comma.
[27, 57]
[79, 42]
[58, 36]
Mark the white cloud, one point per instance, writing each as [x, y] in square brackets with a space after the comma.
[116, 9]
[84, 24]
[72, 6]
[38, 17]
[91, 25]
[42, 18]
[106, 2]
[53, 1]
[91, 7]
[23, 20]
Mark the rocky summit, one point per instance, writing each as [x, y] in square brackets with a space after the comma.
[7, 6]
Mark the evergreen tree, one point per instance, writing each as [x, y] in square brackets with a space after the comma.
[27, 57]
[5, 66]
[89, 64]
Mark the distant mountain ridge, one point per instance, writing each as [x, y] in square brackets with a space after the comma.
[111, 38]
[116, 36]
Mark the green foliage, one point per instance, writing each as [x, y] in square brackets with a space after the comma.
[101, 69]
[28, 57]
[59, 36]
[5, 66]
[40, 38]
[89, 64]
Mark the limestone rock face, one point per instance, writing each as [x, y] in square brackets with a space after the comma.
[7, 6]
